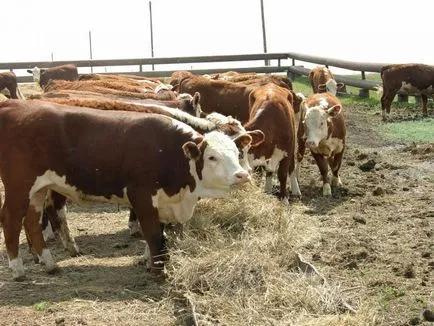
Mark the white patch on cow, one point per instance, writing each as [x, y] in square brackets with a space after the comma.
[315, 125]
[258, 113]
[331, 86]
[48, 233]
[147, 256]
[46, 259]
[323, 103]
[336, 181]
[221, 168]
[326, 189]
[36, 72]
[162, 87]
[178, 208]
[184, 96]
[17, 267]
[53, 181]
[268, 187]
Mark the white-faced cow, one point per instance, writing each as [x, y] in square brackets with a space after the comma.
[8, 81]
[322, 130]
[157, 165]
[63, 72]
[322, 80]
[414, 79]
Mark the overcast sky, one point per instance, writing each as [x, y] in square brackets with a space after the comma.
[368, 30]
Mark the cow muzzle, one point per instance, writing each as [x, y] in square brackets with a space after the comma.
[311, 144]
[242, 177]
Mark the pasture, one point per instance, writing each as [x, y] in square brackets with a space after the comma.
[362, 257]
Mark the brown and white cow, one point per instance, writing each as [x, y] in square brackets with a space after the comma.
[272, 110]
[63, 72]
[322, 80]
[322, 130]
[8, 81]
[414, 79]
[157, 165]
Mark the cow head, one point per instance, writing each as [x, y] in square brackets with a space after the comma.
[330, 86]
[316, 122]
[36, 72]
[244, 142]
[216, 165]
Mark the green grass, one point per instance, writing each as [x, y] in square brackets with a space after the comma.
[417, 130]
[41, 306]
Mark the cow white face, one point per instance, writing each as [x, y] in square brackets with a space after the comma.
[36, 72]
[316, 123]
[332, 86]
[221, 169]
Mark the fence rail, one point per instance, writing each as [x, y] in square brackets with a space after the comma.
[289, 66]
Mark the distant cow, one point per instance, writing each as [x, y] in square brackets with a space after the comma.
[322, 80]
[157, 165]
[8, 80]
[64, 72]
[272, 110]
[415, 79]
[322, 130]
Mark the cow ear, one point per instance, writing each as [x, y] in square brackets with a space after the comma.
[334, 110]
[322, 87]
[251, 98]
[191, 150]
[296, 101]
[258, 137]
[340, 85]
[243, 141]
[29, 71]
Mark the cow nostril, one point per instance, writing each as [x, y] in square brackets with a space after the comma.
[242, 175]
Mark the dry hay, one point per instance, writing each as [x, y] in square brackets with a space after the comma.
[235, 264]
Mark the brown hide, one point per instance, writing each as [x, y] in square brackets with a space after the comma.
[319, 76]
[420, 76]
[9, 80]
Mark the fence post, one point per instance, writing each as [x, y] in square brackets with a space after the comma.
[363, 92]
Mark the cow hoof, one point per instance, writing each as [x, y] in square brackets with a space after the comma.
[285, 201]
[336, 181]
[19, 278]
[52, 269]
[17, 267]
[326, 190]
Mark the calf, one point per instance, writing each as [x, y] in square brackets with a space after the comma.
[8, 80]
[322, 80]
[322, 130]
[416, 79]
[272, 110]
[157, 165]
[64, 72]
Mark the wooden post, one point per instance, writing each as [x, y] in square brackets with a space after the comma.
[90, 49]
[363, 92]
[152, 34]
[264, 35]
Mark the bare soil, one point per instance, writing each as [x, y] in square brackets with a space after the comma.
[373, 239]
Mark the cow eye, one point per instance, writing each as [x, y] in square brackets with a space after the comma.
[212, 158]
[322, 123]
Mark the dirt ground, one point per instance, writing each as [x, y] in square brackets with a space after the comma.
[375, 239]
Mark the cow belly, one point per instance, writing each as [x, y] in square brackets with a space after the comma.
[329, 147]
[271, 164]
[178, 208]
[51, 180]
[410, 89]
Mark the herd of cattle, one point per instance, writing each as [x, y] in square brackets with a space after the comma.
[159, 148]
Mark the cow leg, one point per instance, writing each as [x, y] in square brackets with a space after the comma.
[147, 215]
[424, 105]
[386, 102]
[268, 188]
[133, 225]
[282, 175]
[295, 189]
[335, 165]
[57, 206]
[321, 162]
[301, 149]
[11, 217]
[34, 230]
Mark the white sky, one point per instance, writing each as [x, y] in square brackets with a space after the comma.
[368, 30]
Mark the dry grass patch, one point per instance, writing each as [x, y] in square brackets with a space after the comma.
[236, 264]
